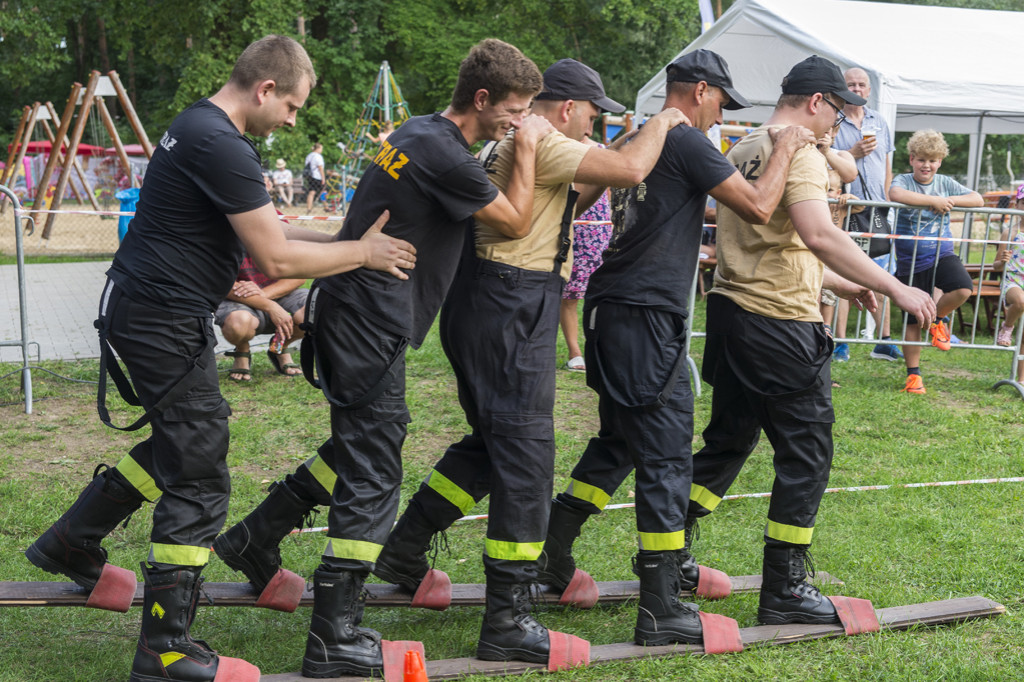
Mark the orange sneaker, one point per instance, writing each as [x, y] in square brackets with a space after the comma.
[940, 335]
[915, 384]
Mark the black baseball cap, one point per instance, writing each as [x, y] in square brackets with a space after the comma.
[710, 67]
[569, 79]
[817, 74]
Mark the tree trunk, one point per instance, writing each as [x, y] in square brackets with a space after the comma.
[101, 41]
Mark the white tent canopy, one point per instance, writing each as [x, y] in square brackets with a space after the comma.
[954, 70]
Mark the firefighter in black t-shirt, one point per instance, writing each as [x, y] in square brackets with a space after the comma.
[635, 313]
[203, 201]
[361, 325]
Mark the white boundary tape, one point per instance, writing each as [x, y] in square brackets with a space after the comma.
[853, 489]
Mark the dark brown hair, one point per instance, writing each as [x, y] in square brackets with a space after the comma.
[500, 69]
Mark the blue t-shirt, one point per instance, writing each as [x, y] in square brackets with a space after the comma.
[924, 222]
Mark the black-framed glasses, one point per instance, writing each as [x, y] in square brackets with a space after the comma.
[840, 116]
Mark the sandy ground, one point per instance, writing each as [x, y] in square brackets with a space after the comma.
[77, 234]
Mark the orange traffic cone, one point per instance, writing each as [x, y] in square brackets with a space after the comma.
[414, 669]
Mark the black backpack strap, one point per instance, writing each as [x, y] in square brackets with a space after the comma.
[109, 365]
[317, 369]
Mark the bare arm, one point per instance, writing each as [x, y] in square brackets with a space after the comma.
[277, 257]
[630, 164]
[512, 210]
[837, 251]
[755, 202]
[841, 161]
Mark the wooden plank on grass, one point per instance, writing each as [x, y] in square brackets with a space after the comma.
[242, 594]
[895, 618]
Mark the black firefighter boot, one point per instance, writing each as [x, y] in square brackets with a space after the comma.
[252, 545]
[336, 645]
[403, 559]
[71, 546]
[509, 631]
[166, 650]
[689, 572]
[556, 566]
[786, 596]
[661, 617]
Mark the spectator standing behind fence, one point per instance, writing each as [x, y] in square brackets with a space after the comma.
[1010, 261]
[283, 182]
[924, 263]
[866, 135]
[313, 175]
[588, 243]
[258, 304]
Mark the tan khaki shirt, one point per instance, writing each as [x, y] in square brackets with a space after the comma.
[558, 157]
[767, 269]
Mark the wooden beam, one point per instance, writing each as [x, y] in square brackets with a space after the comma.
[8, 171]
[26, 137]
[62, 133]
[76, 138]
[78, 166]
[129, 112]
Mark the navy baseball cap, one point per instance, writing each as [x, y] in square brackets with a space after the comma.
[817, 74]
[570, 79]
[710, 67]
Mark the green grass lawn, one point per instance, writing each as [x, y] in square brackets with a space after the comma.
[897, 546]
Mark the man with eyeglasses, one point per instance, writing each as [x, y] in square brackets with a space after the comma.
[864, 133]
[767, 352]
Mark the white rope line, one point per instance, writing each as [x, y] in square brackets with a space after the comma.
[853, 489]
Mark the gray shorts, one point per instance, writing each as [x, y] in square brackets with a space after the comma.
[292, 302]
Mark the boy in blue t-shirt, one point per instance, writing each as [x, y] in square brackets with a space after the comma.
[927, 264]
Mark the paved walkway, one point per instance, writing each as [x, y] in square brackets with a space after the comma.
[62, 300]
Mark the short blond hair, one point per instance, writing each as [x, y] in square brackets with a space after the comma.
[928, 144]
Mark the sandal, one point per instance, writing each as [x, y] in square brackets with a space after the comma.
[576, 364]
[282, 367]
[245, 373]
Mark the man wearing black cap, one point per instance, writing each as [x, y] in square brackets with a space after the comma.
[508, 292]
[767, 353]
[635, 313]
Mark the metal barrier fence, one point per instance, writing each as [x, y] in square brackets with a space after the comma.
[981, 231]
[22, 341]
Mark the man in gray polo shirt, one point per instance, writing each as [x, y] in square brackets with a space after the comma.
[873, 155]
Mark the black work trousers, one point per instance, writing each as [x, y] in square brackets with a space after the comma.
[185, 457]
[365, 448]
[498, 328]
[646, 411]
[773, 375]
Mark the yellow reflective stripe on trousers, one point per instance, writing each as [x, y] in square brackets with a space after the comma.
[443, 486]
[323, 474]
[513, 551]
[358, 550]
[138, 477]
[588, 493]
[663, 542]
[704, 497]
[179, 555]
[171, 657]
[794, 535]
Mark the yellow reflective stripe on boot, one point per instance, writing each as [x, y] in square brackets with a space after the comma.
[323, 474]
[443, 486]
[138, 477]
[794, 535]
[513, 551]
[663, 542]
[179, 555]
[588, 493]
[171, 657]
[704, 497]
[357, 550]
